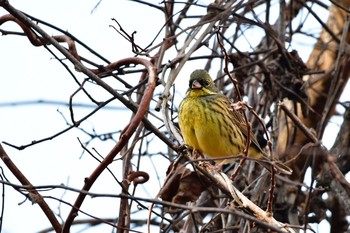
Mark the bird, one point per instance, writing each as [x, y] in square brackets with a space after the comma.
[211, 125]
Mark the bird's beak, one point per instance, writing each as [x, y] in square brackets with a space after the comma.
[196, 85]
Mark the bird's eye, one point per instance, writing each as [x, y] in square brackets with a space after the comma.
[205, 83]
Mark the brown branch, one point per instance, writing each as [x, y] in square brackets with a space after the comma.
[39, 41]
[123, 222]
[235, 84]
[128, 131]
[33, 194]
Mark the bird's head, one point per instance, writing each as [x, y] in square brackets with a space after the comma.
[201, 84]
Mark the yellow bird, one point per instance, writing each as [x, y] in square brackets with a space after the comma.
[211, 125]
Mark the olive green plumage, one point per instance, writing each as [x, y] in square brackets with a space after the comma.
[211, 125]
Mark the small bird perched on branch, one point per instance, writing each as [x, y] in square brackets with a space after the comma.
[211, 125]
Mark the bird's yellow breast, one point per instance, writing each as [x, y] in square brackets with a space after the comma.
[208, 128]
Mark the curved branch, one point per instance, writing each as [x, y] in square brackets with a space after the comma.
[39, 41]
[128, 132]
[33, 194]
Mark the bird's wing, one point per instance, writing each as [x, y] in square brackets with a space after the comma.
[238, 119]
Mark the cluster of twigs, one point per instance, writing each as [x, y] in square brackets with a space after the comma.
[294, 102]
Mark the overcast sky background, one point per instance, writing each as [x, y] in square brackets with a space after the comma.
[31, 73]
